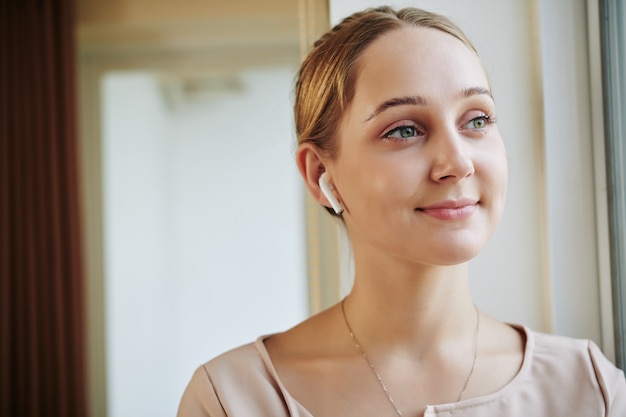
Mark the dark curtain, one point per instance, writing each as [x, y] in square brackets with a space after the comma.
[42, 336]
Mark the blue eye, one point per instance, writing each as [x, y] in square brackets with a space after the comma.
[402, 132]
[478, 123]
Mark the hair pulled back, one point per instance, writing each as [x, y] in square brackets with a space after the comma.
[325, 82]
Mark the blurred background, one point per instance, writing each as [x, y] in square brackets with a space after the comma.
[152, 216]
[187, 107]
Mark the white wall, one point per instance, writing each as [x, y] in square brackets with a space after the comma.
[570, 170]
[541, 267]
[192, 183]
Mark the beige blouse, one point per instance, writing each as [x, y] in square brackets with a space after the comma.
[559, 377]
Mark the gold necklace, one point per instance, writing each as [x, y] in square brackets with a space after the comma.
[380, 379]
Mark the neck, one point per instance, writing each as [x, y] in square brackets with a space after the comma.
[411, 310]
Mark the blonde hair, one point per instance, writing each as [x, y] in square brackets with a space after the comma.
[325, 82]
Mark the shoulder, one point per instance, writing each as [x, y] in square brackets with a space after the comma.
[611, 380]
[560, 354]
[563, 362]
[555, 351]
[238, 382]
[244, 362]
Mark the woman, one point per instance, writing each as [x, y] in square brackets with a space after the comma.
[396, 129]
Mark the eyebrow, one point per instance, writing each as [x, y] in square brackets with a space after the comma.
[421, 101]
[473, 91]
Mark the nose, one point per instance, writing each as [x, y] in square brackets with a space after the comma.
[451, 157]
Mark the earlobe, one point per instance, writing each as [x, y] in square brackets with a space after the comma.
[327, 190]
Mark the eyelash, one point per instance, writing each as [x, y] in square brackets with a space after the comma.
[398, 129]
[489, 120]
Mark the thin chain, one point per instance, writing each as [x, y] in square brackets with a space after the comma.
[380, 379]
[469, 376]
[471, 372]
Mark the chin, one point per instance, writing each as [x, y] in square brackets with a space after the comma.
[442, 256]
[453, 261]
[455, 254]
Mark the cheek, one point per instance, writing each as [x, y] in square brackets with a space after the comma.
[492, 159]
[386, 179]
[501, 167]
[372, 186]
[496, 173]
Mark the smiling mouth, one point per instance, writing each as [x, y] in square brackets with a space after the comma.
[450, 210]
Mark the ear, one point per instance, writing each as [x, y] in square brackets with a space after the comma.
[312, 164]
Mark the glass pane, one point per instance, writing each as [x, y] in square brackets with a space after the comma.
[203, 216]
[614, 56]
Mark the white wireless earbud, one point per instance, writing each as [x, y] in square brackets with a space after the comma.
[327, 189]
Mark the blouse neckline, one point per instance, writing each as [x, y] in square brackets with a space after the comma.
[297, 409]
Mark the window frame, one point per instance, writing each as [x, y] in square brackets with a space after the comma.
[613, 59]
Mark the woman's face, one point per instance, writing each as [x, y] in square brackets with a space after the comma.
[421, 168]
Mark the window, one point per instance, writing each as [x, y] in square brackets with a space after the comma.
[612, 16]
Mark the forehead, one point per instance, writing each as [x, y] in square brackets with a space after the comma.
[416, 61]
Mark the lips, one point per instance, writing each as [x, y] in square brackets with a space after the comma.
[451, 209]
